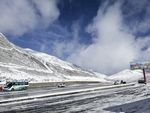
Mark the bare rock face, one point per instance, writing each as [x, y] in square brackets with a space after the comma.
[19, 63]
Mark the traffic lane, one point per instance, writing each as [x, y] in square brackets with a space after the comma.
[54, 94]
[63, 103]
[55, 91]
[43, 90]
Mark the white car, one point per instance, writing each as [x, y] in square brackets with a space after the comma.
[116, 82]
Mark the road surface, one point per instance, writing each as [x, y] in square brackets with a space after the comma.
[99, 101]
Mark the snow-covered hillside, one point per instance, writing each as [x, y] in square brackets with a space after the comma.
[18, 63]
[127, 75]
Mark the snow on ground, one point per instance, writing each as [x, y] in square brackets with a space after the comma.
[52, 59]
[16, 63]
[11, 71]
[80, 78]
[131, 99]
[18, 75]
[102, 77]
[127, 75]
[19, 63]
[45, 58]
[134, 99]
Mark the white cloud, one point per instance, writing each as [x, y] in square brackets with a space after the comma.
[139, 9]
[144, 26]
[113, 47]
[20, 16]
[65, 48]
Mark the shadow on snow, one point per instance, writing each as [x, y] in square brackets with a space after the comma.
[133, 107]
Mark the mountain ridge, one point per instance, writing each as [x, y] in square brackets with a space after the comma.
[16, 63]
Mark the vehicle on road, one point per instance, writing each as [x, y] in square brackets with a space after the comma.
[141, 81]
[116, 82]
[16, 85]
[119, 82]
[61, 85]
[122, 82]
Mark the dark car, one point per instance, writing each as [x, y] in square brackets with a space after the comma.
[123, 82]
[141, 81]
[119, 82]
[61, 85]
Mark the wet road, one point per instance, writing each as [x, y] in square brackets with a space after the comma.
[44, 90]
[71, 103]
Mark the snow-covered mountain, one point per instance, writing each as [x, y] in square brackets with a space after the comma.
[127, 75]
[19, 63]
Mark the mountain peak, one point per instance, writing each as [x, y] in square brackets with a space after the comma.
[16, 63]
[4, 43]
[1, 34]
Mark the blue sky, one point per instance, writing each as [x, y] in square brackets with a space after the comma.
[100, 35]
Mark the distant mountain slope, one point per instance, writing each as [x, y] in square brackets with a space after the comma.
[127, 75]
[18, 63]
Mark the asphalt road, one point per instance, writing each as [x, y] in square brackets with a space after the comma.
[46, 89]
[71, 103]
